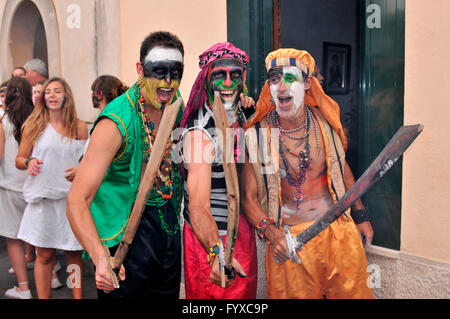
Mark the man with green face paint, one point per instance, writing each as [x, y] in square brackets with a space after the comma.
[223, 71]
[107, 181]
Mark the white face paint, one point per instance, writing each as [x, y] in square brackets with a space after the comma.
[164, 54]
[288, 92]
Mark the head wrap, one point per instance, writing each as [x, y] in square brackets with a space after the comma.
[315, 96]
[198, 95]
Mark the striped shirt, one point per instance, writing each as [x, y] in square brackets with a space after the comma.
[203, 120]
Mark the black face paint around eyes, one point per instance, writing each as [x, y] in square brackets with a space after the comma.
[96, 102]
[163, 69]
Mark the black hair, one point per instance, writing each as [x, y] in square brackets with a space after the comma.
[111, 87]
[19, 68]
[19, 103]
[160, 38]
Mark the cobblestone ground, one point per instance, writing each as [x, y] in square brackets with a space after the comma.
[7, 281]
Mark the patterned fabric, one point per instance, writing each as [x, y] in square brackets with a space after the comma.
[204, 121]
[315, 96]
[198, 95]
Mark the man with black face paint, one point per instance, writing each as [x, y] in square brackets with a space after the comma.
[106, 185]
[223, 71]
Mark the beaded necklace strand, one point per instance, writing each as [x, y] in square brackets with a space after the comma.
[165, 174]
[303, 156]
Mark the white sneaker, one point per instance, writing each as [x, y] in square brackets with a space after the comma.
[57, 267]
[56, 283]
[30, 266]
[15, 293]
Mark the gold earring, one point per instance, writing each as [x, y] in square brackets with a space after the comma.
[140, 81]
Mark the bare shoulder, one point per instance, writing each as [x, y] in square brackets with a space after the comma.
[82, 130]
[198, 148]
[106, 136]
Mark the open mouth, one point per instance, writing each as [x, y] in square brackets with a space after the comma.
[227, 94]
[164, 94]
[53, 103]
[284, 101]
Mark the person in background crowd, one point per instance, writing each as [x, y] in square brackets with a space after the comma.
[53, 139]
[12, 203]
[36, 71]
[18, 71]
[3, 88]
[104, 90]
[38, 90]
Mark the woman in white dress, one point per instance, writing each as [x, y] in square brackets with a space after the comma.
[12, 203]
[3, 87]
[53, 141]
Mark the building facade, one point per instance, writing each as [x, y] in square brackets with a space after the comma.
[396, 52]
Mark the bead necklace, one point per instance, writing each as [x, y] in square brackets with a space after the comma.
[164, 178]
[304, 162]
[309, 117]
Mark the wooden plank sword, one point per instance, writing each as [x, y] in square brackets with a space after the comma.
[382, 163]
[162, 137]
[226, 144]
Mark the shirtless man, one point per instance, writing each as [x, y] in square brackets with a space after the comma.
[309, 168]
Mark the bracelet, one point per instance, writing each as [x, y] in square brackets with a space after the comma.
[28, 161]
[360, 215]
[213, 251]
[261, 228]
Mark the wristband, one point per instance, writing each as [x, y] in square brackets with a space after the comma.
[261, 228]
[360, 215]
[28, 161]
[213, 251]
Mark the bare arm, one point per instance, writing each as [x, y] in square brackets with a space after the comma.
[25, 149]
[105, 142]
[364, 228]
[199, 155]
[254, 212]
[82, 134]
[82, 130]
[199, 188]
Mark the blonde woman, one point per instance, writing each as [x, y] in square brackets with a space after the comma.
[53, 141]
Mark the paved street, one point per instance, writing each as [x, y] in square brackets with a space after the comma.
[8, 281]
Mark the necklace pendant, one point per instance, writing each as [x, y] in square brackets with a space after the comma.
[298, 197]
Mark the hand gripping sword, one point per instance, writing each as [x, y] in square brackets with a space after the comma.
[162, 137]
[382, 163]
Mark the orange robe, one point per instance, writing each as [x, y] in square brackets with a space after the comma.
[334, 263]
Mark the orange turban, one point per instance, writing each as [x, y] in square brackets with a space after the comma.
[315, 96]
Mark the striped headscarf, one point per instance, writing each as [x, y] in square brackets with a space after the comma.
[198, 95]
[315, 96]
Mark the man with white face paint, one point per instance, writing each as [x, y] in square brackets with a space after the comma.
[223, 71]
[106, 185]
[298, 180]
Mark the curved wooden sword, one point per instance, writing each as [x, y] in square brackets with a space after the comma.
[226, 144]
[404, 137]
[162, 137]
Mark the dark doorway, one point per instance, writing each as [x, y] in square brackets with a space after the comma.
[27, 36]
[310, 25]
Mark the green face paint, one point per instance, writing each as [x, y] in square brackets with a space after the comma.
[226, 76]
